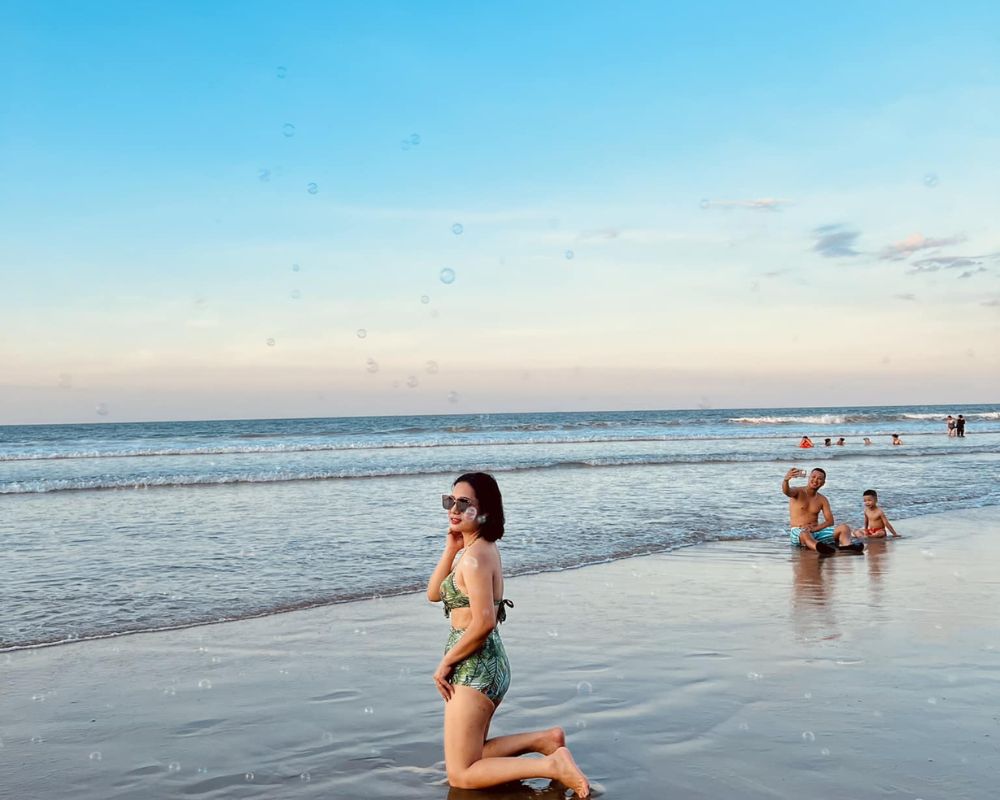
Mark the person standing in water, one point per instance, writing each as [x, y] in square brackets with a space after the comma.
[474, 673]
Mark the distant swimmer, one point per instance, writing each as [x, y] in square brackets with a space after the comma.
[960, 426]
[868, 440]
[841, 441]
[827, 442]
[896, 439]
[805, 443]
[950, 422]
[805, 505]
[876, 522]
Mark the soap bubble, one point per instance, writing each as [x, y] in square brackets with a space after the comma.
[101, 409]
[412, 382]
[204, 683]
[930, 180]
[932, 701]
[270, 342]
[405, 144]
[295, 294]
[296, 268]
[447, 275]
[581, 724]
[328, 737]
[457, 228]
[425, 299]
[553, 633]
[808, 736]
[95, 756]
[825, 751]
[174, 766]
[371, 365]
[263, 175]
[569, 255]
[281, 72]
[584, 687]
[312, 188]
[305, 777]
[432, 367]
[249, 777]
[808, 695]
[414, 138]
[170, 691]
[744, 726]
[704, 203]
[361, 333]
[452, 397]
[754, 676]
[369, 710]
[288, 129]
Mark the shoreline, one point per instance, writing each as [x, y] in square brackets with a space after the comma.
[739, 668]
[307, 605]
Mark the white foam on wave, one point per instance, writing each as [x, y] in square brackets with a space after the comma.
[810, 419]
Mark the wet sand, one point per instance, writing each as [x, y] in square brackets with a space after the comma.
[732, 670]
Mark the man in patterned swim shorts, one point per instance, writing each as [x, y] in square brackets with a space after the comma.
[805, 504]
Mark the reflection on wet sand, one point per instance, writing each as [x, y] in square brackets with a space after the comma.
[812, 611]
[513, 791]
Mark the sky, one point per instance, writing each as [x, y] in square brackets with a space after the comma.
[243, 210]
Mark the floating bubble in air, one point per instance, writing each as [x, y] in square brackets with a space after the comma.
[808, 736]
[432, 367]
[281, 72]
[263, 175]
[405, 144]
[371, 365]
[295, 294]
[369, 710]
[744, 726]
[288, 130]
[270, 342]
[412, 382]
[414, 138]
[569, 254]
[296, 268]
[457, 228]
[361, 333]
[425, 299]
[825, 751]
[704, 203]
[754, 676]
[95, 756]
[452, 397]
[930, 180]
[174, 766]
[312, 188]
[584, 687]
[101, 409]
[447, 275]
[305, 777]
[204, 683]
[249, 777]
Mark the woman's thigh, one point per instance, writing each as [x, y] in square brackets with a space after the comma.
[467, 719]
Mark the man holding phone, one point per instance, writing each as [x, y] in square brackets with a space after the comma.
[805, 505]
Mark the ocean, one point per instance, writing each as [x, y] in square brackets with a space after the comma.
[110, 529]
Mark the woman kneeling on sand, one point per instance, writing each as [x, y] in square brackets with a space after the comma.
[474, 673]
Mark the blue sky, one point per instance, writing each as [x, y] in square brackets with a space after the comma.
[763, 206]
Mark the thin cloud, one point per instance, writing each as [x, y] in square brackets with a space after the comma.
[970, 272]
[905, 296]
[914, 244]
[757, 204]
[602, 235]
[835, 241]
[994, 303]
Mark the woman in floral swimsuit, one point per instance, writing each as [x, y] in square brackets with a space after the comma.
[474, 673]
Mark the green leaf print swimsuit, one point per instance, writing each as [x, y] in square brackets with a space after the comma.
[487, 670]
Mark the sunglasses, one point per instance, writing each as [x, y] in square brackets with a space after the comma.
[460, 504]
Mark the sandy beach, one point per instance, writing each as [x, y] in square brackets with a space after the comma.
[734, 669]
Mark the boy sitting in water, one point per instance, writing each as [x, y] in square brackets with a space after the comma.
[876, 522]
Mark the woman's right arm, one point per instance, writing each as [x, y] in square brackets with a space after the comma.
[452, 545]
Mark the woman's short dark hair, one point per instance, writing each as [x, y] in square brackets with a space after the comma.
[490, 503]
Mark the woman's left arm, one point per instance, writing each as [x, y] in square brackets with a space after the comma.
[479, 586]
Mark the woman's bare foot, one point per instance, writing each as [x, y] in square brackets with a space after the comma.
[568, 773]
[551, 740]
